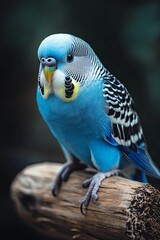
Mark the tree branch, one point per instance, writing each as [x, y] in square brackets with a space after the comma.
[125, 209]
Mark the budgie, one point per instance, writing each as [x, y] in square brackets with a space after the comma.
[90, 113]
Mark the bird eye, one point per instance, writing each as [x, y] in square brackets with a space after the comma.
[70, 58]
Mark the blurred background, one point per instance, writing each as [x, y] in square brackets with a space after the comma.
[126, 37]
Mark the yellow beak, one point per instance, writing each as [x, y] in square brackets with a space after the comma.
[48, 72]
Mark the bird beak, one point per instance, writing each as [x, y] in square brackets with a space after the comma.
[48, 72]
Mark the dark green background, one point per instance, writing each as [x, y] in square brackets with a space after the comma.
[126, 37]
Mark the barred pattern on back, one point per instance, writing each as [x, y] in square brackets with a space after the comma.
[126, 128]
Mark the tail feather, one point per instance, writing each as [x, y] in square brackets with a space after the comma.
[139, 176]
[142, 160]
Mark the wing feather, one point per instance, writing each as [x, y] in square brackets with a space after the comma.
[126, 127]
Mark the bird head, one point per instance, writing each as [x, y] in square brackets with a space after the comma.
[67, 64]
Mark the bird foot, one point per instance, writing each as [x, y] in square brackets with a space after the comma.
[94, 183]
[64, 173]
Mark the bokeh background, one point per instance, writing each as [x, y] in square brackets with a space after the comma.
[126, 37]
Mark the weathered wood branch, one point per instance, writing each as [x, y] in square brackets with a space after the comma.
[125, 209]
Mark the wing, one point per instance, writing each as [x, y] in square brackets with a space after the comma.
[126, 128]
[127, 132]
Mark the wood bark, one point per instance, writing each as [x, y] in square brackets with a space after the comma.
[125, 209]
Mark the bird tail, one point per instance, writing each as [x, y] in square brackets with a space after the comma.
[139, 176]
[142, 160]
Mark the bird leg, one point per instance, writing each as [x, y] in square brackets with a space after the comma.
[93, 185]
[64, 173]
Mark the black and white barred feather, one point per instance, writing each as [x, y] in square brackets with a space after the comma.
[126, 127]
[88, 67]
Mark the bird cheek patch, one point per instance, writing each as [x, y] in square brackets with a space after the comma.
[70, 90]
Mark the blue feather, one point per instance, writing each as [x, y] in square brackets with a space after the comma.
[140, 176]
[142, 160]
[102, 117]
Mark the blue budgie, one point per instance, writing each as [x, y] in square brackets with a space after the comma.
[90, 113]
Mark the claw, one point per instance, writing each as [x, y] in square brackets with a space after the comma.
[55, 187]
[54, 191]
[94, 184]
[83, 203]
[67, 171]
[86, 183]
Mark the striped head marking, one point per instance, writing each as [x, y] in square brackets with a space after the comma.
[67, 63]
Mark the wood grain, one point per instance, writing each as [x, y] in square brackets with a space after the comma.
[115, 215]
